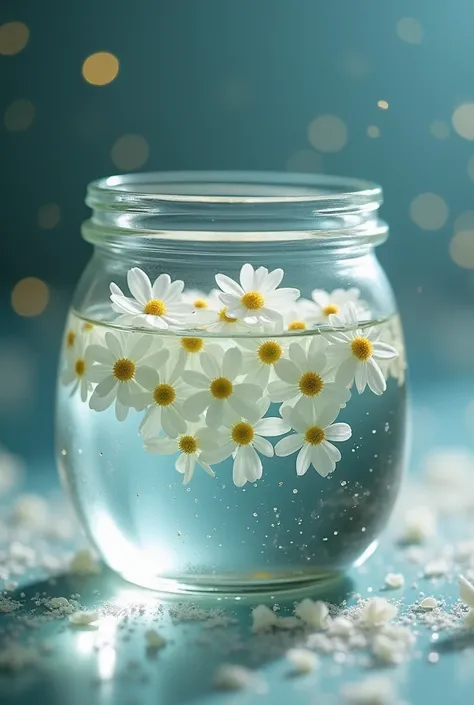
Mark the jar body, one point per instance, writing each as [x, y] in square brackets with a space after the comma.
[159, 516]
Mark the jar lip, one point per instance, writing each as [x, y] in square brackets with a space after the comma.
[334, 193]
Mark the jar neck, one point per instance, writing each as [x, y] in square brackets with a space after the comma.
[225, 212]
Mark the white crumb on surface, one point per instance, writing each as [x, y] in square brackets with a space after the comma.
[265, 619]
[31, 509]
[302, 660]
[428, 603]
[378, 611]
[232, 677]
[84, 563]
[373, 690]
[419, 524]
[436, 569]
[8, 605]
[187, 612]
[62, 606]
[84, 617]
[394, 581]
[154, 640]
[314, 614]
[340, 627]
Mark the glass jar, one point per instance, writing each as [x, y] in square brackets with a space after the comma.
[244, 430]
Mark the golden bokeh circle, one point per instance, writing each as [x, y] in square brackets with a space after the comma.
[49, 216]
[463, 120]
[373, 131]
[130, 152]
[30, 297]
[327, 133]
[429, 211]
[100, 68]
[13, 38]
[410, 30]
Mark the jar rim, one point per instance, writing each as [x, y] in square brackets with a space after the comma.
[324, 191]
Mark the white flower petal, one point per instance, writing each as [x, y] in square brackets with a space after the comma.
[174, 293]
[360, 376]
[206, 467]
[232, 363]
[263, 446]
[122, 304]
[114, 344]
[173, 424]
[271, 426]
[321, 461]
[139, 285]
[215, 412]
[287, 370]
[384, 351]
[289, 445]
[189, 465]
[347, 370]
[121, 410]
[298, 357]
[320, 297]
[217, 455]
[97, 373]
[326, 415]
[375, 378]
[105, 387]
[97, 353]
[151, 424]
[196, 379]
[97, 403]
[303, 461]
[331, 450]
[210, 366]
[138, 346]
[242, 408]
[147, 377]
[160, 446]
[247, 277]
[259, 278]
[338, 432]
[272, 280]
[161, 287]
[196, 404]
[281, 391]
[228, 285]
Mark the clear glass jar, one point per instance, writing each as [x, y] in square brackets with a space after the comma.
[247, 432]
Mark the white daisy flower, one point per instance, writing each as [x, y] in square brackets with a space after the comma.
[296, 318]
[206, 307]
[159, 305]
[312, 438]
[116, 368]
[190, 445]
[257, 298]
[325, 304]
[304, 379]
[259, 358]
[164, 395]
[76, 369]
[241, 439]
[192, 348]
[392, 334]
[222, 322]
[355, 352]
[218, 391]
[77, 329]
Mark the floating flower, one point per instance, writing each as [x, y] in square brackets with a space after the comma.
[206, 307]
[304, 380]
[77, 368]
[325, 304]
[164, 395]
[257, 298]
[218, 391]
[392, 334]
[260, 355]
[192, 347]
[241, 439]
[190, 445]
[116, 367]
[312, 439]
[355, 352]
[158, 306]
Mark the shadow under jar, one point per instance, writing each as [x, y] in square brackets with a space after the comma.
[231, 396]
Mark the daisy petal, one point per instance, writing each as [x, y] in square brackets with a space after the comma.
[217, 455]
[174, 292]
[263, 446]
[287, 370]
[173, 424]
[327, 414]
[139, 285]
[105, 387]
[139, 346]
[289, 445]
[375, 378]
[161, 287]
[272, 280]
[338, 432]
[303, 461]
[97, 403]
[320, 297]
[228, 285]
[114, 344]
[271, 427]
[189, 465]
[206, 467]
[321, 461]
[281, 391]
[161, 446]
[360, 376]
[97, 373]
[196, 379]
[121, 410]
[346, 371]
[232, 363]
[384, 351]
[247, 277]
[96, 353]
[215, 412]
[196, 404]
[331, 450]
[210, 366]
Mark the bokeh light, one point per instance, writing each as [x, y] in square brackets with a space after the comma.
[13, 38]
[327, 133]
[373, 131]
[429, 211]
[461, 249]
[410, 30]
[440, 129]
[463, 121]
[464, 221]
[101, 68]
[470, 168]
[130, 152]
[30, 297]
[305, 161]
[382, 104]
[49, 216]
[19, 115]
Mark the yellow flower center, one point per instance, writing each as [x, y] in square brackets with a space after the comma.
[330, 308]
[164, 394]
[314, 435]
[200, 303]
[297, 325]
[224, 317]
[87, 326]
[253, 300]
[361, 348]
[124, 369]
[310, 384]
[155, 307]
[242, 433]
[188, 445]
[192, 345]
[70, 338]
[270, 352]
[80, 367]
[221, 388]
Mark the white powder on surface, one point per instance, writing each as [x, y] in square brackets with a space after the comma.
[302, 660]
[378, 611]
[394, 581]
[8, 605]
[419, 524]
[232, 677]
[83, 617]
[84, 563]
[428, 603]
[373, 690]
[314, 614]
[154, 640]
[62, 606]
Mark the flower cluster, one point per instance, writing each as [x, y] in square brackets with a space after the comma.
[207, 398]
